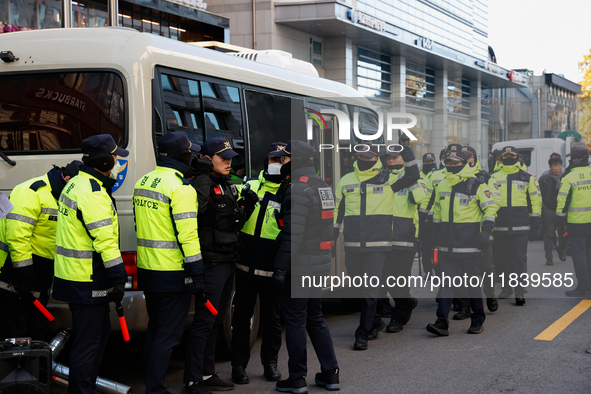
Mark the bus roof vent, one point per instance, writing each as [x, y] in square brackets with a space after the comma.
[281, 59]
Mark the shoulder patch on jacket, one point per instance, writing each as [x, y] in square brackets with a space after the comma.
[95, 186]
[36, 185]
[182, 178]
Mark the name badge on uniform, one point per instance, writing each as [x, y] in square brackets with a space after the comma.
[326, 197]
[378, 190]
[465, 202]
[520, 187]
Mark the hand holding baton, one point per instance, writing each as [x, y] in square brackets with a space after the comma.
[122, 321]
[26, 295]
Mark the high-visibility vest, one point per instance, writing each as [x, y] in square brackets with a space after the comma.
[574, 197]
[168, 250]
[405, 224]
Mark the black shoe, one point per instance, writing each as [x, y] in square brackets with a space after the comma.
[561, 254]
[360, 344]
[195, 388]
[549, 262]
[464, 313]
[438, 328]
[412, 304]
[239, 375]
[475, 329]
[214, 383]
[506, 293]
[297, 386]
[394, 326]
[271, 373]
[577, 293]
[492, 304]
[329, 380]
[519, 301]
[372, 335]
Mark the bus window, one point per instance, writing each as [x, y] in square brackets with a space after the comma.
[271, 118]
[46, 112]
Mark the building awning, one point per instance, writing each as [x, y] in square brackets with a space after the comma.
[554, 79]
[331, 19]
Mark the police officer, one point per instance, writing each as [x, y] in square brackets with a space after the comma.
[307, 210]
[254, 273]
[168, 254]
[573, 214]
[486, 261]
[404, 233]
[518, 217]
[30, 237]
[220, 218]
[89, 271]
[463, 219]
[365, 199]
[549, 186]
[425, 220]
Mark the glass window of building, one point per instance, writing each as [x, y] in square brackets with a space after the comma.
[420, 86]
[374, 78]
[458, 95]
[42, 14]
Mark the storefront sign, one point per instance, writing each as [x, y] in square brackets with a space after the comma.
[61, 97]
[425, 42]
[516, 77]
[493, 68]
[357, 16]
[192, 3]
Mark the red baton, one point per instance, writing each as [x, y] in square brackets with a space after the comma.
[210, 307]
[435, 257]
[43, 310]
[122, 322]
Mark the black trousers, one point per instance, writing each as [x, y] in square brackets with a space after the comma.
[202, 335]
[580, 248]
[245, 301]
[370, 263]
[510, 256]
[549, 227]
[92, 327]
[168, 315]
[398, 263]
[305, 315]
[458, 266]
[486, 267]
[21, 318]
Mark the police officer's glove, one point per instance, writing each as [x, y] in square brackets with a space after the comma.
[278, 279]
[116, 294]
[483, 241]
[249, 197]
[23, 292]
[203, 166]
[403, 139]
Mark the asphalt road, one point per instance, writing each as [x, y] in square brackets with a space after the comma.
[504, 358]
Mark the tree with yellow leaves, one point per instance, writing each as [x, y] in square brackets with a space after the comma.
[585, 99]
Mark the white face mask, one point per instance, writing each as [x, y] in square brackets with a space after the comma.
[115, 170]
[274, 169]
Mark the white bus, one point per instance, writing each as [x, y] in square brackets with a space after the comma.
[68, 84]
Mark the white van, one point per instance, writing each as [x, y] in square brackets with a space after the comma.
[68, 84]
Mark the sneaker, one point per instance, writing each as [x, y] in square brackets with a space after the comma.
[394, 326]
[506, 293]
[360, 344]
[372, 335]
[271, 373]
[492, 304]
[438, 328]
[412, 304]
[239, 375]
[296, 386]
[475, 329]
[464, 313]
[214, 383]
[195, 388]
[329, 380]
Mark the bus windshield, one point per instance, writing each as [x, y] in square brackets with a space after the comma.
[55, 111]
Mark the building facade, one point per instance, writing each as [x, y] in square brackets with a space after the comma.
[425, 57]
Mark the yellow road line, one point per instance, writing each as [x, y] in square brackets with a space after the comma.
[559, 325]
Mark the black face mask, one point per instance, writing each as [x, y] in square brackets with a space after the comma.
[455, 169]
[509, 161]
[365, 165]
[395, 166]
[427, 168]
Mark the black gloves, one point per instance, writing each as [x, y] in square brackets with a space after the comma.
[483, 241]
[116, 294]
[560, 222]
[249, 196]
[403, 139]
[278, 279]
[203, 166]
[198, 289]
